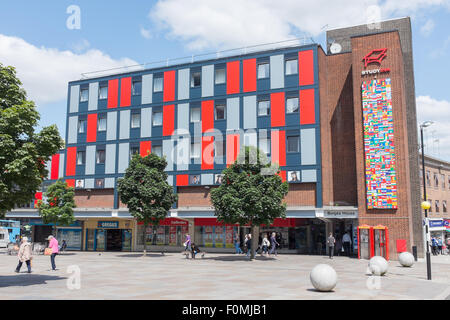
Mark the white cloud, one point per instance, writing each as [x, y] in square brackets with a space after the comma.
[437, 111]
[45, 72]
[146, 33]
[427, 28]
[235, 23]
[81, 46]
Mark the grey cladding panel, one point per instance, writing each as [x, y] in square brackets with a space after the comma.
[72, 132]
[308, 146]
[208, 81]
[93, 96]
[232, 113]
[90, 160]
[110, 159]
[183, 84]
[277, 71]
[147, 88]
[124, 156]
[124, 124]
[111, 126]
[146, 122]
[74, 98]
[249, 112]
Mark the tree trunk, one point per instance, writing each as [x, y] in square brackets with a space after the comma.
[255, 235]
[144, 238]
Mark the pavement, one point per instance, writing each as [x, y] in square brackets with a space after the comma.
[122, 275]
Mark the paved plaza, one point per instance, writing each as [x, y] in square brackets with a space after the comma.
[120, 275]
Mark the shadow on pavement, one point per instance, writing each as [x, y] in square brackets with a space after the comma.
[315, 290]
[235, 258]
[26, 279]
[138, 255]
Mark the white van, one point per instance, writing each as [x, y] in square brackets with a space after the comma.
[4, 237]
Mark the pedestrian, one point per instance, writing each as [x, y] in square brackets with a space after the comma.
[265, 245]
[194, 250]
[434, 246]
[237, 244]
[245, 243]
[273, 244]
[338, 245]
[53, 245]
[259, 244]
[330, 242]
[249, 244]
[24, 255]
[346, 241]
[440, 245]
[187, 243]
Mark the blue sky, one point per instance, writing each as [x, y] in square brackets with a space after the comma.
[34, 38]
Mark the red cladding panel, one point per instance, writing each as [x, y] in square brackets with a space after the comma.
[70, 183]
[278, 147]
[168, 120]
[37, 197]
[232, 148]
[113, 88]
[125, 92]
[282, 174]
[91, 135]
[207, 115]
[307, 112]
[249, 69]
[306, 67]
[233, 77]
[54, 173]
[169, 86]
[277, 114]
[71, 161]
[145, 148]
[182, 180]
[207, 153]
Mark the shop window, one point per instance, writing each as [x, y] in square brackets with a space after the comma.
[291, 67]
[99, 183]
[263, 70]
[84, 95]
[220, 76]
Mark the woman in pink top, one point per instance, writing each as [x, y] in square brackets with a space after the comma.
[54, 246]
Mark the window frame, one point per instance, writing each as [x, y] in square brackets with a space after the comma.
[133, 88]
[298, 143]
[224, 111]
[286, 69]
[159, 147]
[153, 118]
[81, 94]
[193, 74]
[160, 80]
[98, 158]
[268, 109]
[268, 70]
[102, 117]
[100, 91]
[298, 105]
[83, 157]
[199, 114]
[191, 154]
[131, 119]
[224, 76]
[84, 126]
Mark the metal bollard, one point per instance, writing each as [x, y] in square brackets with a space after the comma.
[414, 252]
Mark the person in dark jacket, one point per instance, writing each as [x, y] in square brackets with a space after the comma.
[273, 244]
[194, 250]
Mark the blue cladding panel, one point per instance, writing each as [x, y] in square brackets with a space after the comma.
[72, 130]
[124, 156]
[90, 160]
[93, 96]
[74, 98]
[277, 71]
[308, 146]
[146, 122]
[183, 84]
[124, 132]
[147, 88]
[249, 112]
[110, 159]
[111, 126]
[208, 81]
[232, 113]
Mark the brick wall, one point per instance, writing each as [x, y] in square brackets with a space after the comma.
[96, 198]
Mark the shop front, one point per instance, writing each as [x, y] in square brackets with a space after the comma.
[109, 234]
[437, 229]
[169, 235]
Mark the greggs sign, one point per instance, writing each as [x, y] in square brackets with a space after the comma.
[375, 56]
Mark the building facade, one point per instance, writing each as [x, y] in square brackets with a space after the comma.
[340, 124]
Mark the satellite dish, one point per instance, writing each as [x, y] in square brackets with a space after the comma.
[335, 48]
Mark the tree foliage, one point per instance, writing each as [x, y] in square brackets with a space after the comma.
[58, 204]
[250, 192]
[145, 191]
[23, 151]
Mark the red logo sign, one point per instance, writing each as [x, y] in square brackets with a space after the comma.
[375, 56]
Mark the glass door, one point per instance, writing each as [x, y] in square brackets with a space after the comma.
[90, 239]
[100, 242]
[126, 240]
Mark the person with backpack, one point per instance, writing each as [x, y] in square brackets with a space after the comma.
[24, 255]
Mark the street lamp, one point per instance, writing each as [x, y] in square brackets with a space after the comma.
[425, 204]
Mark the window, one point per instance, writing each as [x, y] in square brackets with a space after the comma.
[263, 70]
[158, 85]
[436, 180]
[81, 157]
[448, 182]
[436, 205]
[219, 76]
[157, 118]
[84, 95]
[291, 105]
[428, 178]
[100, 156]
[431, 205]
[136, 88]
[195, 114]
[291, 67]
[444, 206]
[220, 112]
[292, 144]
[135, 120]
[134, 150]
[264, 108]
[157, 150]
[99, 183]
[219, 148]
[196, 79]
[443, 181]
[103, 92]
[195, 150]
[264, 144]
[102, 123]
[81, 126]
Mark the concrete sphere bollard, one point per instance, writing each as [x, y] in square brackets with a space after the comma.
[378, 265]
[323, 277]
[406, 259]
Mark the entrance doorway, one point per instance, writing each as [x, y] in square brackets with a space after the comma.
[114, 240]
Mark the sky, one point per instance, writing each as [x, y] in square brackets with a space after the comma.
[52, 42]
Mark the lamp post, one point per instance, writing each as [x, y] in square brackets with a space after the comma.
[425, 204]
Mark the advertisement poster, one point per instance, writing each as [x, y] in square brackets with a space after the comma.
[160, 236]
[219, 239]
[149, 235]
[208, 236]
[229, 232]
[173, 235]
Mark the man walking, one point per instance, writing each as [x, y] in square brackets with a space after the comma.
[330, 242]
[24, 255]
[346, 241]
[273, 244]
[55, 250]
[249, 245]
[237, 244]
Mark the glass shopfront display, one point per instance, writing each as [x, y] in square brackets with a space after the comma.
[100, 240]
[170, 232]
[71, 236]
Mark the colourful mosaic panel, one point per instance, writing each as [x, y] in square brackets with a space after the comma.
[381, 182]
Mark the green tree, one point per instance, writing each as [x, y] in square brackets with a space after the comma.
[250, 193]
[23, 152]
[145, 191]
[58, 204]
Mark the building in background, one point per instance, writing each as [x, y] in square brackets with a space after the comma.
[341, 124]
